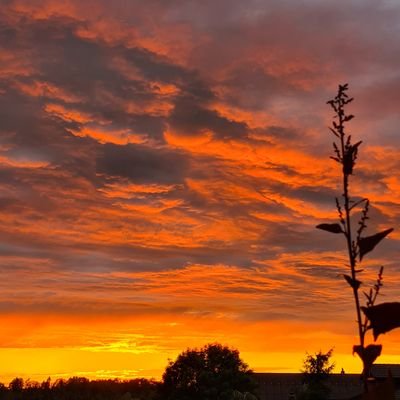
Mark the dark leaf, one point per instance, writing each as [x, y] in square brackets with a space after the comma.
[383, 317]
[333, 228]
[368, 243]
[354, 283]
[368, 355]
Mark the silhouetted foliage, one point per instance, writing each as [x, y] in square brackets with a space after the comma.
[317, 367]
[210, 373]
[16, 385]
[78, 388]
[384, 317]
[316, 370]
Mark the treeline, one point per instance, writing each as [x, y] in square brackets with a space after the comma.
[78, 388]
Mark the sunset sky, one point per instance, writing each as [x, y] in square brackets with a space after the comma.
[163, 165]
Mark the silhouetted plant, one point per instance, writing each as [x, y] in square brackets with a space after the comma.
[212, 372]
[383, 317]
[16, 385]
[316, 370]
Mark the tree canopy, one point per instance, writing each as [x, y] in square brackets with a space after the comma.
[214, 372]
[316, 369]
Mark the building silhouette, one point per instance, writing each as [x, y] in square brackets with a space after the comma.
[343, 386]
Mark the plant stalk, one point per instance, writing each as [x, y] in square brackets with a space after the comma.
[352, 259]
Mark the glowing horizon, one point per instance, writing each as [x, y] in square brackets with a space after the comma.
[162, 171]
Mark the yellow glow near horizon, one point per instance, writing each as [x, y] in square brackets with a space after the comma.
[59, 363]
[105, 349]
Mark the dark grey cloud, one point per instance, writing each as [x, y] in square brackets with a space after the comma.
[189, 117]
[142, 164]
[249, 86]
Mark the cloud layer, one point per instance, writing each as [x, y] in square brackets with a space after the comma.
[163, 166]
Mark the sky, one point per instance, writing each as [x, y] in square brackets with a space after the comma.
[163, 165]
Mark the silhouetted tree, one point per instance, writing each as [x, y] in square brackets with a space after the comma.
[16, 385]
[210, 373]
[316, 371]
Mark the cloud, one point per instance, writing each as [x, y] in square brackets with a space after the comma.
[142, 164]
[164, 164]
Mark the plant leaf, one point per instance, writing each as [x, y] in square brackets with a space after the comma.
[354, 283]
[349, 117]
[333, 228]
[368, 243]
[383, 317]
[368, 354]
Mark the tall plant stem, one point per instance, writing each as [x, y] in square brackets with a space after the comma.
[345, 154]
[353, 262]
[346, 195]
[352, 255]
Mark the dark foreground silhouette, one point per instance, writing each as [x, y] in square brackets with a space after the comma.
[78, 388]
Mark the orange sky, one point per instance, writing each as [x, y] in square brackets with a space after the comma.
[162, 169]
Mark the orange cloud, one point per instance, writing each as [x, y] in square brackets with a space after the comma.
[104, 135]
[67, 114]
[162, 170]
[46, 89]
